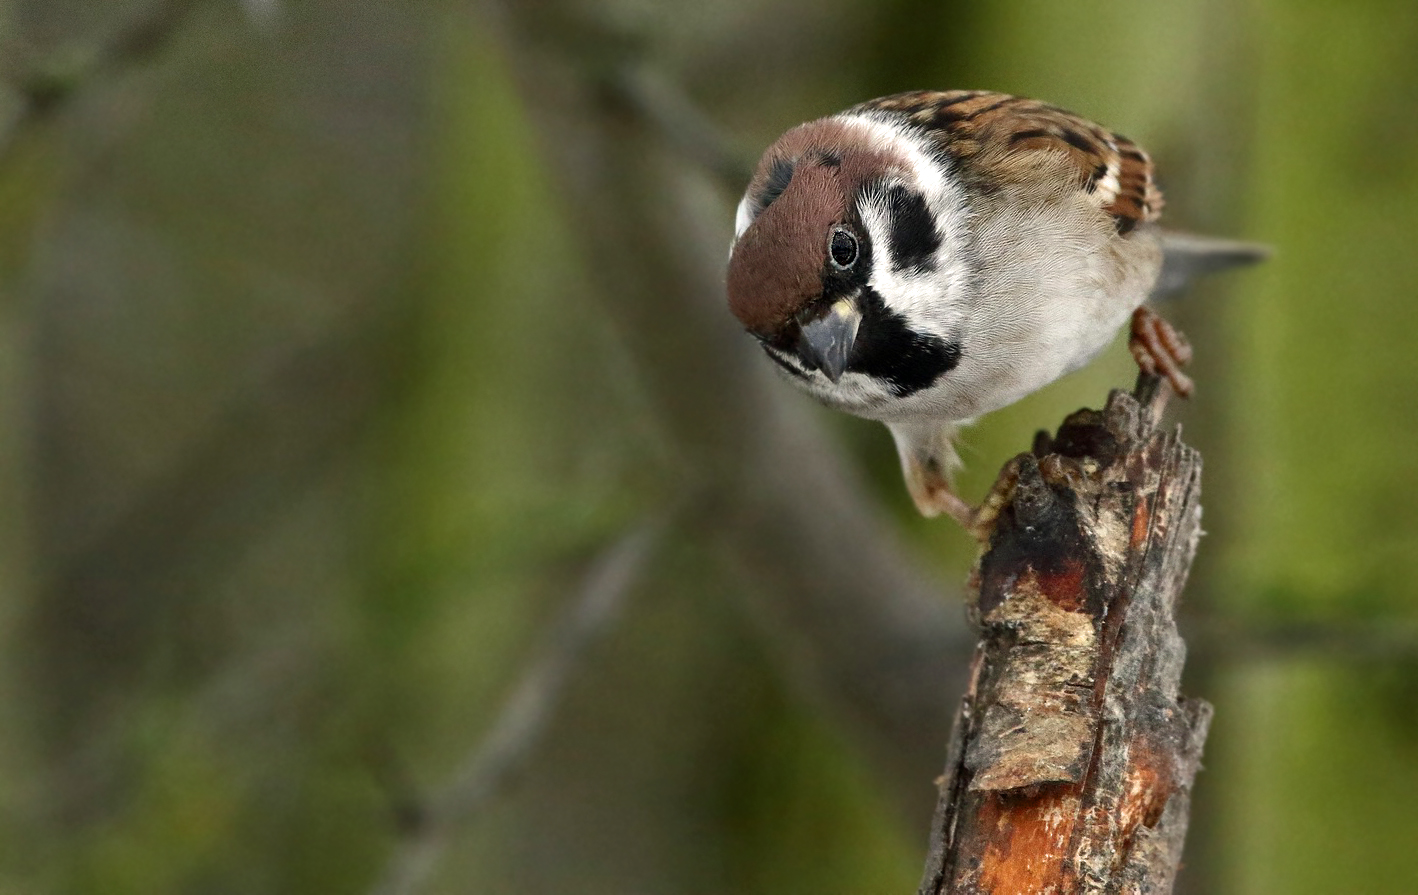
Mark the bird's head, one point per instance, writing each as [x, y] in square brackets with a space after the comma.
[848, 258]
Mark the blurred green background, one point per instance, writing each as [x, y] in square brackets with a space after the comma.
[347, 347]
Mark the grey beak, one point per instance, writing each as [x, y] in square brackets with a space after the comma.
[827, 341]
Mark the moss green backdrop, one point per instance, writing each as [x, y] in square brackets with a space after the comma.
[338, 340]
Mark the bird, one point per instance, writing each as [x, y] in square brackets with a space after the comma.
[924, 258]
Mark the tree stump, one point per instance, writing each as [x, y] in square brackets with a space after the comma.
[1073, 754]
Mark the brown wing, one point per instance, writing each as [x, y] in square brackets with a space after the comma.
[1012, 137]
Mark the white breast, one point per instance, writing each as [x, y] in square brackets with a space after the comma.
[1053, 287]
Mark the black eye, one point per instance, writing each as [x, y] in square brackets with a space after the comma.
[844, 249]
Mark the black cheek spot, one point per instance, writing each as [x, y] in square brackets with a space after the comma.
[779, 176]
[913, 237]
[889, 350]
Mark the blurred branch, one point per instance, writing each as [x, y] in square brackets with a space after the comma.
[1236, 641]
[253, 437]
[524, 719]
[1074, 753]
[665, 109]
[279, 435]
[43, 86]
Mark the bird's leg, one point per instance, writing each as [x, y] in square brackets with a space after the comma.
[931, 490]
[1160, 350]
[927, 458]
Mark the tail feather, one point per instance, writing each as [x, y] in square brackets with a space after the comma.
[1186, 256]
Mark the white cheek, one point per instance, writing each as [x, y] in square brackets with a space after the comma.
[743, 217]
[931, 301]
[927, 174]
[934, 301]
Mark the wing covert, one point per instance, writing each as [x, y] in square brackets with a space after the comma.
[1010, 137]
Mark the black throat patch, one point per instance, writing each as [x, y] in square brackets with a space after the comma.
[889, 350]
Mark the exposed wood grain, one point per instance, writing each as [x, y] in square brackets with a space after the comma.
[1073, 754]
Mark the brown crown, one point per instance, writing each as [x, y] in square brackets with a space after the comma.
[777, 264]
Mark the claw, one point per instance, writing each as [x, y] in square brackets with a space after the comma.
[1160, 350]
[934, 496]
[932, 492]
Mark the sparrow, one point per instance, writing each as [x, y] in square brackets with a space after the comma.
[927, 257]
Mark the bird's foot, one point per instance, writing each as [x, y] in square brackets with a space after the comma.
[934, 496]
[1160, 350]
[1001, 493]
[932, 492]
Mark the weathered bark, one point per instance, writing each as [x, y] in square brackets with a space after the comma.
[1073, 754]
